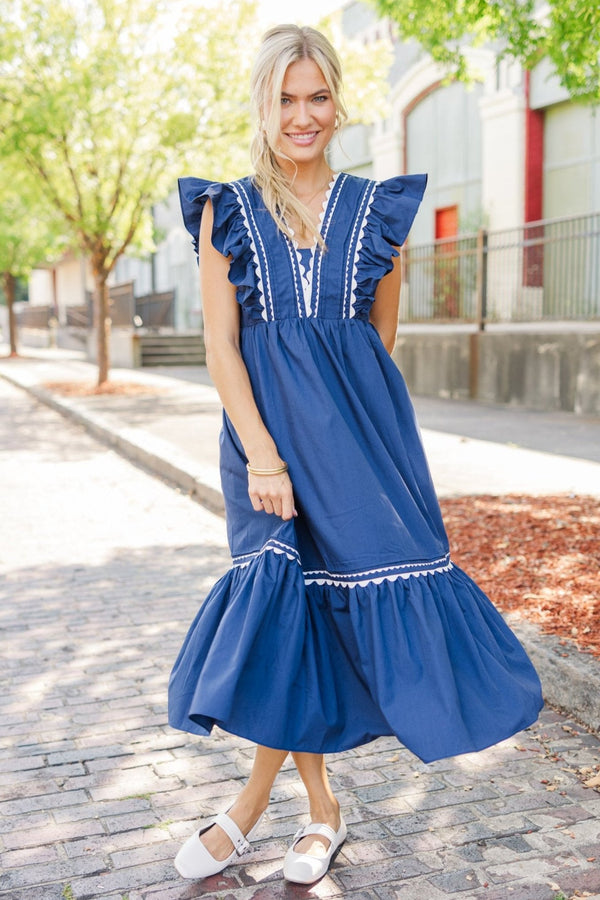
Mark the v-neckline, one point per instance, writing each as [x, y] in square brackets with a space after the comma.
[324, 210]
[306, 273]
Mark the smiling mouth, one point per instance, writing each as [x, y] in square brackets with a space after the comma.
[303, 137]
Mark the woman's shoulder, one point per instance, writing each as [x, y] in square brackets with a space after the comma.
[396, 184]
[194, 192]
[192, 187]
[389, 205]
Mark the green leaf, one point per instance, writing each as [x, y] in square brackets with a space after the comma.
[566, 32]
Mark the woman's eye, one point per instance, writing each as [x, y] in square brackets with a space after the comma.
[320, 99]
[285, 101]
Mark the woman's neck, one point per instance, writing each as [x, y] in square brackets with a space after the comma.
[308, 180]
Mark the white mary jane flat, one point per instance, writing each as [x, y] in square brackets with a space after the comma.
[194, 860]
[302, 868]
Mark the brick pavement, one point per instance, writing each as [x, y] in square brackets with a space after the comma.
[102, 569]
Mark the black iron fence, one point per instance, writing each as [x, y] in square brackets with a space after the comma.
[150, 311]
[541, 271]
[121, 305]
[156, 310]
[34, 316]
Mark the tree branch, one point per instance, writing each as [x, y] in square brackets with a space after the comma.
[64, 145]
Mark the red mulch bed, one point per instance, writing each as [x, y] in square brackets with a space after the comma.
[88, 388]
[538, 556]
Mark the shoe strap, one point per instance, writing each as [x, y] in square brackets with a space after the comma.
[232, 831]
[318, 828]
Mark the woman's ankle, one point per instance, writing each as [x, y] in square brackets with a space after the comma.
[247, 809]
[326, 812]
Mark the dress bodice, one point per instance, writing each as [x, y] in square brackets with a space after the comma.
[362, 223]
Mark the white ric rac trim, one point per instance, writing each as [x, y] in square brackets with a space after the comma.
[349, 579]
[356, 239]
[324, 223]
[358, 249]
[306, 277]
[355, 581]
[259, 260]
[298, 280]
[274, 546]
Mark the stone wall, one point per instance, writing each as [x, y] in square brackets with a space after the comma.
[551, 370]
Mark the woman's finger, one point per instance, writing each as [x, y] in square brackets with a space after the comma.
[272, 495]
[288, 510]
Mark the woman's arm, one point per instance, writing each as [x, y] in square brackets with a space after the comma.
[230, 377]
[384, 311]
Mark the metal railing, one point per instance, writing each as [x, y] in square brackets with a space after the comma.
[34, 316]
[152, 310]
[156, 310]
[79, 316]
[121, 304]
[546, 270]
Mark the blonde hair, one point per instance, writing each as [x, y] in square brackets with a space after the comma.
[282, 46]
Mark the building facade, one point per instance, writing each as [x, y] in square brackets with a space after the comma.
[507, 149]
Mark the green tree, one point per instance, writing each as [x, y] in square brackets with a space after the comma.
[564, 31]
[106, 101]
[28, 236]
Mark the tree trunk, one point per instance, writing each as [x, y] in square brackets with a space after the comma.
[9, 292]
[102, 323]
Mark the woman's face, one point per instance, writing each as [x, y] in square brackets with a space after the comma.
[308, 113]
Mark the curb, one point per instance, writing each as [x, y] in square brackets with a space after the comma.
[200, 482]
[570, 678]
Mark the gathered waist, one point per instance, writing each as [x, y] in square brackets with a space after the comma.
[306, 321]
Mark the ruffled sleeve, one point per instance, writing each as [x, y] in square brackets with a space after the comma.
[230, 234]
[394, 206]
[193, 194]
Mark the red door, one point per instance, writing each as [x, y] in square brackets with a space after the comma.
[446, 287]
[446, 222]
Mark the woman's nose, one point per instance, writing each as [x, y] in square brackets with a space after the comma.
[302, 113]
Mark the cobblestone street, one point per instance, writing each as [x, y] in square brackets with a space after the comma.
[102, 568]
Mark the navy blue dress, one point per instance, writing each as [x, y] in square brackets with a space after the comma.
[351, 621]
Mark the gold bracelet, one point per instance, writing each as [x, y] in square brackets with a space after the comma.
[278, 471]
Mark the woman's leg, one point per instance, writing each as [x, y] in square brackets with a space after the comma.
[324, 808]
[251, 802]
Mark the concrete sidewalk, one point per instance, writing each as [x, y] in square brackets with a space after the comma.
[101, 571]
[173, 431]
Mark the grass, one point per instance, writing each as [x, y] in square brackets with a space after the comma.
[164, 824]
[68, 892]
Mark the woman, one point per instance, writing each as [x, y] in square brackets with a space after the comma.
[342, 618]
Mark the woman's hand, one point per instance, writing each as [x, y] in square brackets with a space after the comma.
[272, 494]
